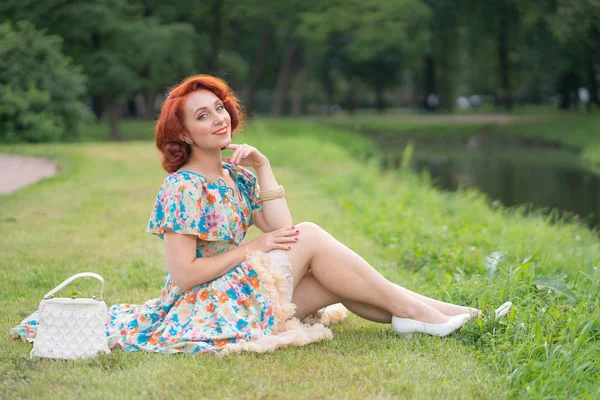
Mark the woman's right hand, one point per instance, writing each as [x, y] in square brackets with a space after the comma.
[281, 239]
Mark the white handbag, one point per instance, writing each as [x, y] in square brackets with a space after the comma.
[71, 328]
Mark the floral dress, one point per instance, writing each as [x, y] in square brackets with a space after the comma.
[249, 308]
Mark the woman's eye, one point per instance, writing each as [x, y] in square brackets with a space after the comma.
[219, 108]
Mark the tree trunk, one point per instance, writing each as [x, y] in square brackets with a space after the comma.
[215, 37]
[98, 106]
[592, 84]
[298, 91]
[283, 77]
[132, 108]
[328, 85]
[112, 115]
[261, 54]
[568, 82]
[429, 79]
[351, 99]
[380, 105]
[504, 65]
[446, 56]
[149, 98]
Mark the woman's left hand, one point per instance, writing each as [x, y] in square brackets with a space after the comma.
[246, 156]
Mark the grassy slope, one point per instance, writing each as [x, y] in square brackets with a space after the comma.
[580, 130]
[92, 217]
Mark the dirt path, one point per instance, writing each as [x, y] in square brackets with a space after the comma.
[18, 171]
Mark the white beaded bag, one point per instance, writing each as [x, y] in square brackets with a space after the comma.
[70, 328]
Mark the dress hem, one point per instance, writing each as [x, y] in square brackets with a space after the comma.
[287, 330]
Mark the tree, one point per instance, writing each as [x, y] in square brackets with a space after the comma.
[369, 40]
[40, 89]
[576, 24]
[441, 61]
[499, 20]
[110, 43]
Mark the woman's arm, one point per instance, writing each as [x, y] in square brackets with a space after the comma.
[275, 213]
[187, 270]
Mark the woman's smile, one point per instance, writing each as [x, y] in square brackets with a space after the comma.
[222, 131]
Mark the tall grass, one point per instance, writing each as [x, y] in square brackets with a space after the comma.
[92, 217]
[549, 346]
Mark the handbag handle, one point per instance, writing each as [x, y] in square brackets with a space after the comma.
[71, 279]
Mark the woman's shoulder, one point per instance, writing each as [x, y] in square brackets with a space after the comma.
[185, 178]
[181, 182]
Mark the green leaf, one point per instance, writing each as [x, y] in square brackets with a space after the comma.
[492, 261]
[557, 286]
[555, 312]
[523, 269]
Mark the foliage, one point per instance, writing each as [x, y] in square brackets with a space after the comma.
[317, 55]
[372, 40]
[40, 89]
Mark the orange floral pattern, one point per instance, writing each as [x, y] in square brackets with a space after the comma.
[206, 317]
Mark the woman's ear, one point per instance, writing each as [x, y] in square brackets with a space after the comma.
[185, 137]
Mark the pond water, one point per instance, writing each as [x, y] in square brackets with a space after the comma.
[513, 173]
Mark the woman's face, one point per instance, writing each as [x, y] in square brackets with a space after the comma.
[207, 121]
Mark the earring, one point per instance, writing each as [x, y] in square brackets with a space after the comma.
[188, 140]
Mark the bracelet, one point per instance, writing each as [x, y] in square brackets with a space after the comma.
[272, 194]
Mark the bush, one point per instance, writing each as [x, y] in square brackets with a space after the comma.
[40, 90]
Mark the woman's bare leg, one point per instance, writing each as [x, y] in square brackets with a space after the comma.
[446, 308]
[347, 275]
[310, 296]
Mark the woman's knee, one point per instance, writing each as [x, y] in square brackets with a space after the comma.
[309, 228]
[313, 234]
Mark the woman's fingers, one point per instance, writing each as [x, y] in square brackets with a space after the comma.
[240, 151]
[246, 152]
[234, 157]
[236, 150]
[286, 239]
[287, 232]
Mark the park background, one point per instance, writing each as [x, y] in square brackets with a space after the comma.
[454, 144]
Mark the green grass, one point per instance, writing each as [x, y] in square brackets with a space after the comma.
[92, 216]
[576, 129]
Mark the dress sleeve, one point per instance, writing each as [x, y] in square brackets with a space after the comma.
[189, 208]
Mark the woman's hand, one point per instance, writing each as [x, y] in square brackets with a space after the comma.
[246, 156]
[281, 239]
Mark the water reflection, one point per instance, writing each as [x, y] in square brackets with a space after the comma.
[516, 180]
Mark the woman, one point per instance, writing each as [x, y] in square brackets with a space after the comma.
[224, 295]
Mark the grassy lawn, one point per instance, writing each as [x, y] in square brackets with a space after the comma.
[92, 216]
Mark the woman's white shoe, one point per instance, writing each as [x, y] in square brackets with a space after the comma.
[503, 309]
[406, 327]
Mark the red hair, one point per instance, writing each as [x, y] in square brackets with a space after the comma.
[170, 127]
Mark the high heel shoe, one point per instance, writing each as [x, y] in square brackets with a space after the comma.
[503, 310]
[406, 327]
